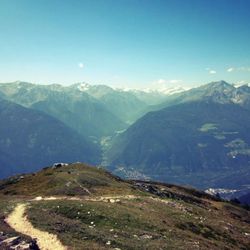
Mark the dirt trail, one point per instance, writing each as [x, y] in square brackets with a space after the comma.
[20, 223]
[90, 198]
[46, 241]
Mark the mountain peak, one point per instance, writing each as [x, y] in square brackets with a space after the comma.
[220, 84]
[221, 87]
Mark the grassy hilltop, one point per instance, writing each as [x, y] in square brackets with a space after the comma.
[89, 208]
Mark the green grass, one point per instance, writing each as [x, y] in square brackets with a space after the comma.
[208, 127]
[69, 180]
[137, 224]
[185, 219]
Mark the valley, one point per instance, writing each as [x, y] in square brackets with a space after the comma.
[190, 137]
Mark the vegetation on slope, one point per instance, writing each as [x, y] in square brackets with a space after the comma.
[201, 143]
[31, 139]
[117, 214]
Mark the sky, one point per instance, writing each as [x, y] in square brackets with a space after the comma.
[125, 43]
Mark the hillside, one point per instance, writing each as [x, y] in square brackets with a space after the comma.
[123, 104]
[218, 92]
[245, 199]
[88, 208]
[82, 113]
[75, 108]
[31, 139]
[202, 143]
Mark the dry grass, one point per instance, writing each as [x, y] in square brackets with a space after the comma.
[161, 217]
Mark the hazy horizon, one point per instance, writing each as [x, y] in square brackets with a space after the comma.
[157, 86]
[125, 43]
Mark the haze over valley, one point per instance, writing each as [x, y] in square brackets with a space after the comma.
[191, 137]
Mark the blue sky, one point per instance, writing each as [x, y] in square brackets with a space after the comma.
[125, 42]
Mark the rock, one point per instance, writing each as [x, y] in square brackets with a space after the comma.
[38, 198]
[59, 165]
[146, 236]
[18, 244]
[11, 241]
[33, 245]
[2, 237]
[21, 246]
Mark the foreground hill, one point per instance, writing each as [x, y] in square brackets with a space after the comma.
[31, 139]
[202, 143]
[88, 208]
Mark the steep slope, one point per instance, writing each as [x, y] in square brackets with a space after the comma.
[73, 107]
[150, 97]
[82, 113]
[31, 139]
[83, 107]
[151, 215]
[26, 94]
[219, 92]
[123, 104]
[245, 199]
[204, 144]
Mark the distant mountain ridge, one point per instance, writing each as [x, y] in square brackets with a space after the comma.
[220, 92]
[89, 115]
[77, 109]
[197, 136]
[31, 139]
[84, 107]
[200, 138]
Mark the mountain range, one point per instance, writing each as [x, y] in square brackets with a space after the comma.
[198, 137]
[31, 139]
[197, 143]
[194, 137]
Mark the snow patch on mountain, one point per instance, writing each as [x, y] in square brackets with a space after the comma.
[83, 87]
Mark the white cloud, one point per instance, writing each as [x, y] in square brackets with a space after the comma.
[175, 81]
[81, 65]
[164, 81]
[211, 71]
[230, 69]
[246, 69]
[161, 81]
